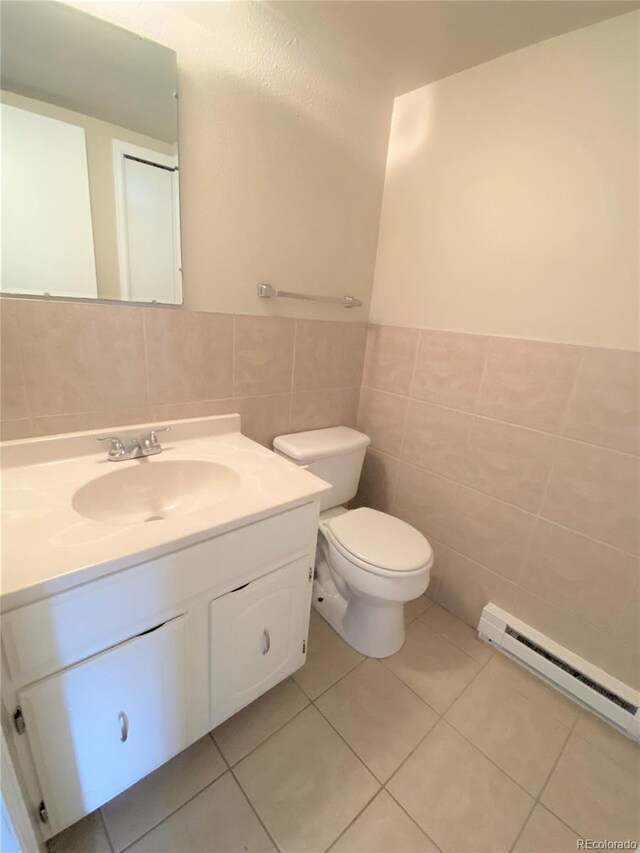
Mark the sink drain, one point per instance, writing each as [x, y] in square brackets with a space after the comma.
[155, 518]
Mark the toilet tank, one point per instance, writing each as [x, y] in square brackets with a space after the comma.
[335, 455]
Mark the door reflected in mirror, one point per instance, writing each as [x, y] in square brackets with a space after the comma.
[90, 191]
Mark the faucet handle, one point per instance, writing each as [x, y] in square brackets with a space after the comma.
[153, 435]
[116, 447]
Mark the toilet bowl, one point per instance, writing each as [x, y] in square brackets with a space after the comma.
[368, 563]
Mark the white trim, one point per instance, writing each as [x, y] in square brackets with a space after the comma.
[122, 149]
[493, 627]
[13, 801]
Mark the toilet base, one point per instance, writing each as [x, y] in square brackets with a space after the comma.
[373, 629]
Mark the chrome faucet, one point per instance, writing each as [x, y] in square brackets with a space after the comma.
[134, 448]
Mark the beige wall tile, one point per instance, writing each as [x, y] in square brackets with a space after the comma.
[54, 424]
[459, 798]
[390, 358]
[384, 827]
[15, 429]
[595, 491]
[441, 556]
[189, 355]
[150, 801]
[465, 587]
[263, 418]
[262, 355]
[438, 439]
[509, 462]
[197, 409]
[528, 382]
[377, 481]
[622, 653]
[491, 532]
[449, 368]
[577, 574]
[328, 355]
[382, 417]
[426, 501]
[81, 357]
[594, 795]
[520, 737]
[544, 831]
[325, 408]
[13, 404]
[605, 408]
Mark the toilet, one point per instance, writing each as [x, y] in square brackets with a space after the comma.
[368, 563]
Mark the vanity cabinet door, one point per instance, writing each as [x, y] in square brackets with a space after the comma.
[258, 637]
[96, 728]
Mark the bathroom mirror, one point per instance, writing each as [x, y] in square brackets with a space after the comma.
[90, 198]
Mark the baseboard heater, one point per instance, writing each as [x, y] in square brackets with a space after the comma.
[591, 687]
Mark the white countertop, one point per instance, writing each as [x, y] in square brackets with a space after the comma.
[48, 547]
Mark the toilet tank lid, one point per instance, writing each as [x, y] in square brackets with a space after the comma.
[316, 443]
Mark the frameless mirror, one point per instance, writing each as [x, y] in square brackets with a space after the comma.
[90, 203]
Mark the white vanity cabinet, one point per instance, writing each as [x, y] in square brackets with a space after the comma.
[108, 680]
[258, 636]
[96, 728]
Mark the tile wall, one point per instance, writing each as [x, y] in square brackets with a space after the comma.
[519, 460]
[70, 366]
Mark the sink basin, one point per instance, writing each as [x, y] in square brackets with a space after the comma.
[153, 490]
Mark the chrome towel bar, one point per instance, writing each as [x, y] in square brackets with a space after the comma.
[266, 291]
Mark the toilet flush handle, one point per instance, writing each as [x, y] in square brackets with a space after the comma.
[267, 642]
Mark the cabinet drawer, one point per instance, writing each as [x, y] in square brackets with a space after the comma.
[258, 637]
[100, 726]
[46, 636]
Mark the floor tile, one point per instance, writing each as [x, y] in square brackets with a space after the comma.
[605, 738]
[565, 710]
[305, 783]
[432, 666]
[459, 798]
[415, 608]
[544, 832]
[218, 820]
[521, 738]
[150, 801]
[594, 795]
[384, 827]
[328, 658]
[85, 836]
[241, 733]
[379, 717]
[457, 632]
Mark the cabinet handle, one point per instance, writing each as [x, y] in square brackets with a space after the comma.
[124, 726]
[267, 642]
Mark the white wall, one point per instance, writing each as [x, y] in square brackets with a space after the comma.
[511, 195]
[282, 152]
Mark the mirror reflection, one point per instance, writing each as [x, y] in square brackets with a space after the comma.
[90, 192]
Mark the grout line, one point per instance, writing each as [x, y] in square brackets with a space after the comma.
[105, 830]
[483, 374]
[253, 809]
[410, 816]
[232, 765]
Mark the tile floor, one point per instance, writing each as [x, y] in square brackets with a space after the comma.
[444, 746]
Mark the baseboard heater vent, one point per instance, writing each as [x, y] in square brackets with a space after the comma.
[613, 701]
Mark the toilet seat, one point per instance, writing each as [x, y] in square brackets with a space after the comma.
[379, 543]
